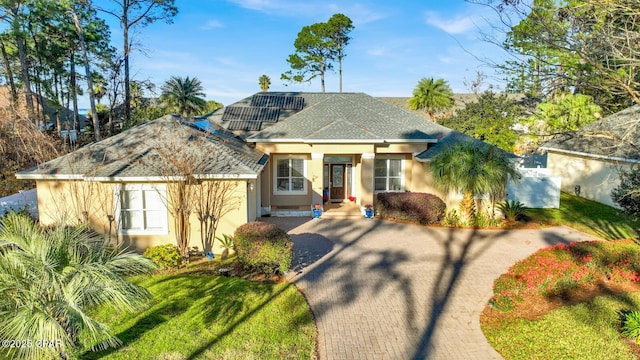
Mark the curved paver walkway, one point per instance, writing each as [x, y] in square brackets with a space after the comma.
[382, 290]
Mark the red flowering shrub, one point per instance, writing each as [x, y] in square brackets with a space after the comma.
[416, 207]
[556, 269]
[264, 247]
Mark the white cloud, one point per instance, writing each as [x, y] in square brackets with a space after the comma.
[319, 9]
[212, 24]
[379, 51]
[457, 25]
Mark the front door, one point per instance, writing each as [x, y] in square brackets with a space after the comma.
[337, 181]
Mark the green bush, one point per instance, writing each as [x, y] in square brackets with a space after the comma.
[483, 220]
[263, 247]
[416, 207]
[165, 256]
[451, 218]
[512, 210]
[631, 325]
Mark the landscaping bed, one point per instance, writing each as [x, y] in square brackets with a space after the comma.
[566, 301]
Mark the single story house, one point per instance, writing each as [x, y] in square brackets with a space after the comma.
[590, 160]
[284, 151]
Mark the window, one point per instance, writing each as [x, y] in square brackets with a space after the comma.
[389, 175]
[143, 209]
[290, 176]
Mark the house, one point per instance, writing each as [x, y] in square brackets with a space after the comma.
[334, 145]
[284, 150]
[120, 184]
[591, 159]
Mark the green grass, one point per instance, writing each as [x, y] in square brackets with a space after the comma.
[589, 216]
[584, 331]
[209, 317]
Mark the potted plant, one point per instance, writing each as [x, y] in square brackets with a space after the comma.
[368, 211]
[317, 211]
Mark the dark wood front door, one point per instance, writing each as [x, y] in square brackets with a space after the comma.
[337, 181]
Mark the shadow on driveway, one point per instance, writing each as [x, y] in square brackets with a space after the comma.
[396, 291]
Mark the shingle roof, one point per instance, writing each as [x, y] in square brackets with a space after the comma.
[616, 136]
[447, 139]
[341, 117]
[154, 151]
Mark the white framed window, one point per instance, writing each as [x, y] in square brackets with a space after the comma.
[142, 209]
[290, 175]
[388, 175]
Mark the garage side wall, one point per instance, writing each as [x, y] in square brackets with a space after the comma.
[595, 177]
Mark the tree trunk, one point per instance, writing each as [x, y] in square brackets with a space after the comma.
[127, 87]
[56, 83]
[340, 71]
[24, 70]
[322, 71]
[7, 65]
[74, 91]
[87, 69]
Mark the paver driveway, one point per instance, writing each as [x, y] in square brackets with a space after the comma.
[382, 290]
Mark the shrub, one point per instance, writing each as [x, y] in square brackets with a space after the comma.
[483, 220]
[627, 194]
[631, 325]
[417, 207]
[451, 218]
[512, 210]
[226, 241]
[263, 247]
[165, 256]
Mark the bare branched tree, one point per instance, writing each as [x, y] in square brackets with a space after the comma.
[184, 160]
[214, 199]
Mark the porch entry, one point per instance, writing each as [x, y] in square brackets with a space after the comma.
[338, 183]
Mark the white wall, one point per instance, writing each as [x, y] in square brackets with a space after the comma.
[17, 202]
[536, 190]
[596, 177]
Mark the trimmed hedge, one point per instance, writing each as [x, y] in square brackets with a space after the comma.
[409, 206]
[165, 256]
[263, 247]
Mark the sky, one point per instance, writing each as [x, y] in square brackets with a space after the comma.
[228, 44]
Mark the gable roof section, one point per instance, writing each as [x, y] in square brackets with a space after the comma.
[616, 137]
[151, 152]
[450, 137]
[341, 118]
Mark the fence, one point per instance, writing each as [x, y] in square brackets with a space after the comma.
[24, 199]
[536, 189]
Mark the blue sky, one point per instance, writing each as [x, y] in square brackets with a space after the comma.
[228, 44]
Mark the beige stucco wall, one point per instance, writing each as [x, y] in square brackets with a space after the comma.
[417, 176]
[422, 181]
[596, 177]
[60, 201]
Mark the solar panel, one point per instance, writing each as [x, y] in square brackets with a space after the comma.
[204, 125]
[269, 114]
[286, 102]
[248, 125]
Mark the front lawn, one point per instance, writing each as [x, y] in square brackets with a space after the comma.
[200, 316]
[565, 301]
[589, 216]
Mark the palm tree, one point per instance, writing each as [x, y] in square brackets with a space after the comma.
[50, 277]
[472, 168]
[264, 82]
[431, 95]
[185, 95]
